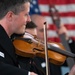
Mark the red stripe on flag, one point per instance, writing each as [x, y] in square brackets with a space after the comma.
[66, 14]
[69, 27]
[57, 39]
[56, 2]
[43, 2]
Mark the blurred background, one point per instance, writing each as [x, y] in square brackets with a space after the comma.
[66, 10]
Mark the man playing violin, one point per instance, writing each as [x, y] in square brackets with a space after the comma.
[14, 14]
[28, 62]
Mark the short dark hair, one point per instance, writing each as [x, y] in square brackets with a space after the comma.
[11, 5]
[30, 25]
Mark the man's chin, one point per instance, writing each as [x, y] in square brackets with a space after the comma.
[20, 33]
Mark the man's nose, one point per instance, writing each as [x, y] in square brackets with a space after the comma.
[29, 19]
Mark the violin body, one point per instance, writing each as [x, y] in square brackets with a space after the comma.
[31, 48]
[57, 58]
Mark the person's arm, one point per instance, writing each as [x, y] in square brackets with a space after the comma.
[71, 42]
[63, 30]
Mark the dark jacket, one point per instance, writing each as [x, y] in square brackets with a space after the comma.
[72, 45]
[8, 61]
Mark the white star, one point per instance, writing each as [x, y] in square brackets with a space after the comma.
[36, 10]
[34, 2]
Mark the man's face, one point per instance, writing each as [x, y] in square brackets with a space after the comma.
[40, 32]
[40, 28]
[32, 31]
[19, 21]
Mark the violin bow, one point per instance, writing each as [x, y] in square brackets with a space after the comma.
[56, 20]
[46, 51]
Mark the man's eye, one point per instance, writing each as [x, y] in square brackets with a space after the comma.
[26, 14]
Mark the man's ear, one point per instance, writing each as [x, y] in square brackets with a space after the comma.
[9, 15]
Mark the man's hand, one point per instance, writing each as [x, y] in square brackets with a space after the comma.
[72, 72]
[63, 30]
[32, 73]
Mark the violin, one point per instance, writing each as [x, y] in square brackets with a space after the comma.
[28, 47]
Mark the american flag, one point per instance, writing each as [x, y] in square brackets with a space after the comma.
[66, 9]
